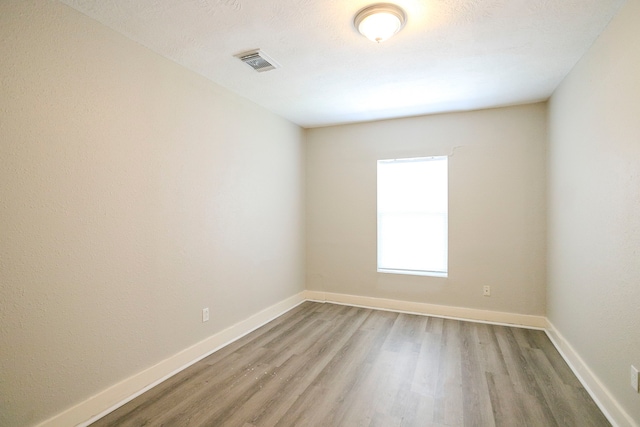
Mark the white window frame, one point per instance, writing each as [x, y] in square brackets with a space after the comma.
[434, 214]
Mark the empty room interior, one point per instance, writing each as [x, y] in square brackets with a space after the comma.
[194, 228]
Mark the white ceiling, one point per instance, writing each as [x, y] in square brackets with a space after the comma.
[452, 54]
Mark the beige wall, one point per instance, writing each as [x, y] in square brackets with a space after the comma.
[496, 207]
[133, 193]
[594, 207]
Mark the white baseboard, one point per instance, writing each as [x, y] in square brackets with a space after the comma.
[117, 395]
[609, 406]
[461, 313]
[600, 394]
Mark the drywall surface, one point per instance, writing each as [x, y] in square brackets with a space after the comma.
[594, 207]
[451, 55]
[133, 193]
[496, 207]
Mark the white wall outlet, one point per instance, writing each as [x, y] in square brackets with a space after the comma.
[634, 379]
[205, 314]
[486, 291]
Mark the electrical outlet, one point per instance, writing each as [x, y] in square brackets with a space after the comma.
[486, 291]
[634, 379]
[205, 314]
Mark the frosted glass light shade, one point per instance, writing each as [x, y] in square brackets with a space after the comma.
[380, 21]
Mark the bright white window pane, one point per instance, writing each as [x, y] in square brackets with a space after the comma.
[412, 215]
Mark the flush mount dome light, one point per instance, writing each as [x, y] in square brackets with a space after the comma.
[380, 21]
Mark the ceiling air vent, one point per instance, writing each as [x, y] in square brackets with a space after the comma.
[258, 60]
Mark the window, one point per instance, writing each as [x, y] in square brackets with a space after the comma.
[413, 216]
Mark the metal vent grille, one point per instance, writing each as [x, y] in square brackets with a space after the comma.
[257, 60]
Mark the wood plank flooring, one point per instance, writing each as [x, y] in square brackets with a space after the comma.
[332, 365]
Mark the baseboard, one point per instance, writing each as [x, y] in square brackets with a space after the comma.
[112, 398]
[117, 395]
[609, 406]
[461, 313]
[600, 394]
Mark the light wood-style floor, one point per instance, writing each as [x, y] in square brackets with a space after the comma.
[332, 365]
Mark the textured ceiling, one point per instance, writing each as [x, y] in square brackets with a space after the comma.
[452, 54]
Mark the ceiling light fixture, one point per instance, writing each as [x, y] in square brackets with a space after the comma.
[380, 21]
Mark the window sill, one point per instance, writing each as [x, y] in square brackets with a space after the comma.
[414, 272]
